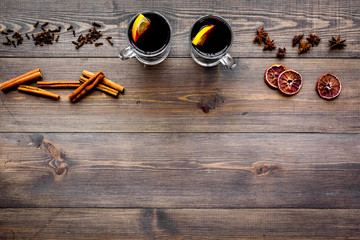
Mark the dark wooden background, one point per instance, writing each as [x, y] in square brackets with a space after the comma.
[152, 164]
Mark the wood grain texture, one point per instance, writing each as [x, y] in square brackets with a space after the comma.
[151, 164]
[281, 18]
[188, 170]
[75, 223]
[166, 98]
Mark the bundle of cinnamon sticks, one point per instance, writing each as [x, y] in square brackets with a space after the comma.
[89, 84]
[85, 84]
[27, 78]
[95, 81]
[22, 79]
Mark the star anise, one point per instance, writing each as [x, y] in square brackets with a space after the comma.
[313, 39]
[281, 52]
[297, 39]
[337, 43]
[304, 46]
[269, 44]
[261, 35]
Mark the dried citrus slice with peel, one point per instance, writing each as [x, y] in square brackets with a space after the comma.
[141, 24]
[328, 86]
[290, 82]
[272, 74]
[202, 35]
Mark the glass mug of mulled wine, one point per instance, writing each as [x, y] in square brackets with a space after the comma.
[210, 40]
[149, 36]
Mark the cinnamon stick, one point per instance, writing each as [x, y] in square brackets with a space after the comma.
[14, 82]
[102, 87]
[86, 86]
[58, 84]
[38, 91]
[88, 82]
[105, 81]
[89, 87]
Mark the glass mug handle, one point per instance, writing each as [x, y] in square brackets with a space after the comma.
[228, 61]
[127, 53]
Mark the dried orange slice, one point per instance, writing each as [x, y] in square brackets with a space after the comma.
[290, 82]
[272, 74]
[141, 24]
[202, 35]
[328, 86]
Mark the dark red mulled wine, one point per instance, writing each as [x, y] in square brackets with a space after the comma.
[219, 39]
[156, 37]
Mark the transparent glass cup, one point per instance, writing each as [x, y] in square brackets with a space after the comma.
[207, 60]
[146, 58]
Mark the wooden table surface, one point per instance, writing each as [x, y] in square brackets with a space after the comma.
[150, 163]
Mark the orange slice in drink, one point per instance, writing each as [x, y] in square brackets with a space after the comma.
[141, 24]
[202, 35]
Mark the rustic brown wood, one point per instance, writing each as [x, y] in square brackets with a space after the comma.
[78, 223]
[173, 170]
[282, 19]
[151, 164]
[167, 98]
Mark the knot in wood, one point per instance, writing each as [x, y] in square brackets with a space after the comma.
[51, 150]
[57, 158]
[60, 171]
[262, 168]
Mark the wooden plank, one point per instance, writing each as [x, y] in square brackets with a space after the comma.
[188, 170]
[166, 98]
[281, 18]
[79, 223]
